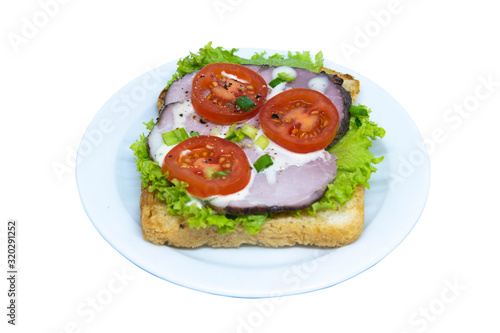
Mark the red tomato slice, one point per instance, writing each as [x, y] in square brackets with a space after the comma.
[209, 164]
[217, 86]
[300, 120]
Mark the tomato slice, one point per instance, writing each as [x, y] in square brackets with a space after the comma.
[300, 120]
[209, 164]
[217, 86]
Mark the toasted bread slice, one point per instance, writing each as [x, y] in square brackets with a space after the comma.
[350, 83]
[328, 228]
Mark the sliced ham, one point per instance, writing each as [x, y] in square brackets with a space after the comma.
[180, 89]
[296, 188]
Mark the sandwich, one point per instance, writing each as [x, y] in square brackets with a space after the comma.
[269, 151]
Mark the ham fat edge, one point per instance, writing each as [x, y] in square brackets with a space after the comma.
[291, 186]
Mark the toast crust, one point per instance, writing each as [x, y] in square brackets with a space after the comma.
[328, 228]
[350, 83]
[161, 99]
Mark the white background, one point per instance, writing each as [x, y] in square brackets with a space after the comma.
[429, 55]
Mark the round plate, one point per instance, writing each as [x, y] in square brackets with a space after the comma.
[109, 188]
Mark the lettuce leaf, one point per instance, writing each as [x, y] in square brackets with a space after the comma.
[355, 162]
[208, 54]
[300, 60]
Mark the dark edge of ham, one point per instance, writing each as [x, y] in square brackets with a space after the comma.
[344, 126]
[267, 209]
[157, 121]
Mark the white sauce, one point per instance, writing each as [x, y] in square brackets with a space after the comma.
[319, 83]
[194, 200]
[180, 112]
[161, 153]
[224, 200]
[233, 77]
[282, 86]
[283, 158]
[284, 69]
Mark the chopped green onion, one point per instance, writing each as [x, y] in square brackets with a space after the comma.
[245, 103]
[263, 162]
[358, 122]
[239, 135]
[249, 131]
[282, 77]
[231, 136]
[275, 82]
[208, 172]
[358, 110]
[231, 132]
[220, 174]
[174, 137]
[286, 77]
[194, 134]
[262, 142]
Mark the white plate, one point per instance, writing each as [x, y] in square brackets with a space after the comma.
[109, 188]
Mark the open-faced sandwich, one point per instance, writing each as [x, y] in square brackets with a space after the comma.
[266, 151]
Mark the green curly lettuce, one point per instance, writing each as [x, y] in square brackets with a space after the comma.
[208, 54]
[355, 162]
